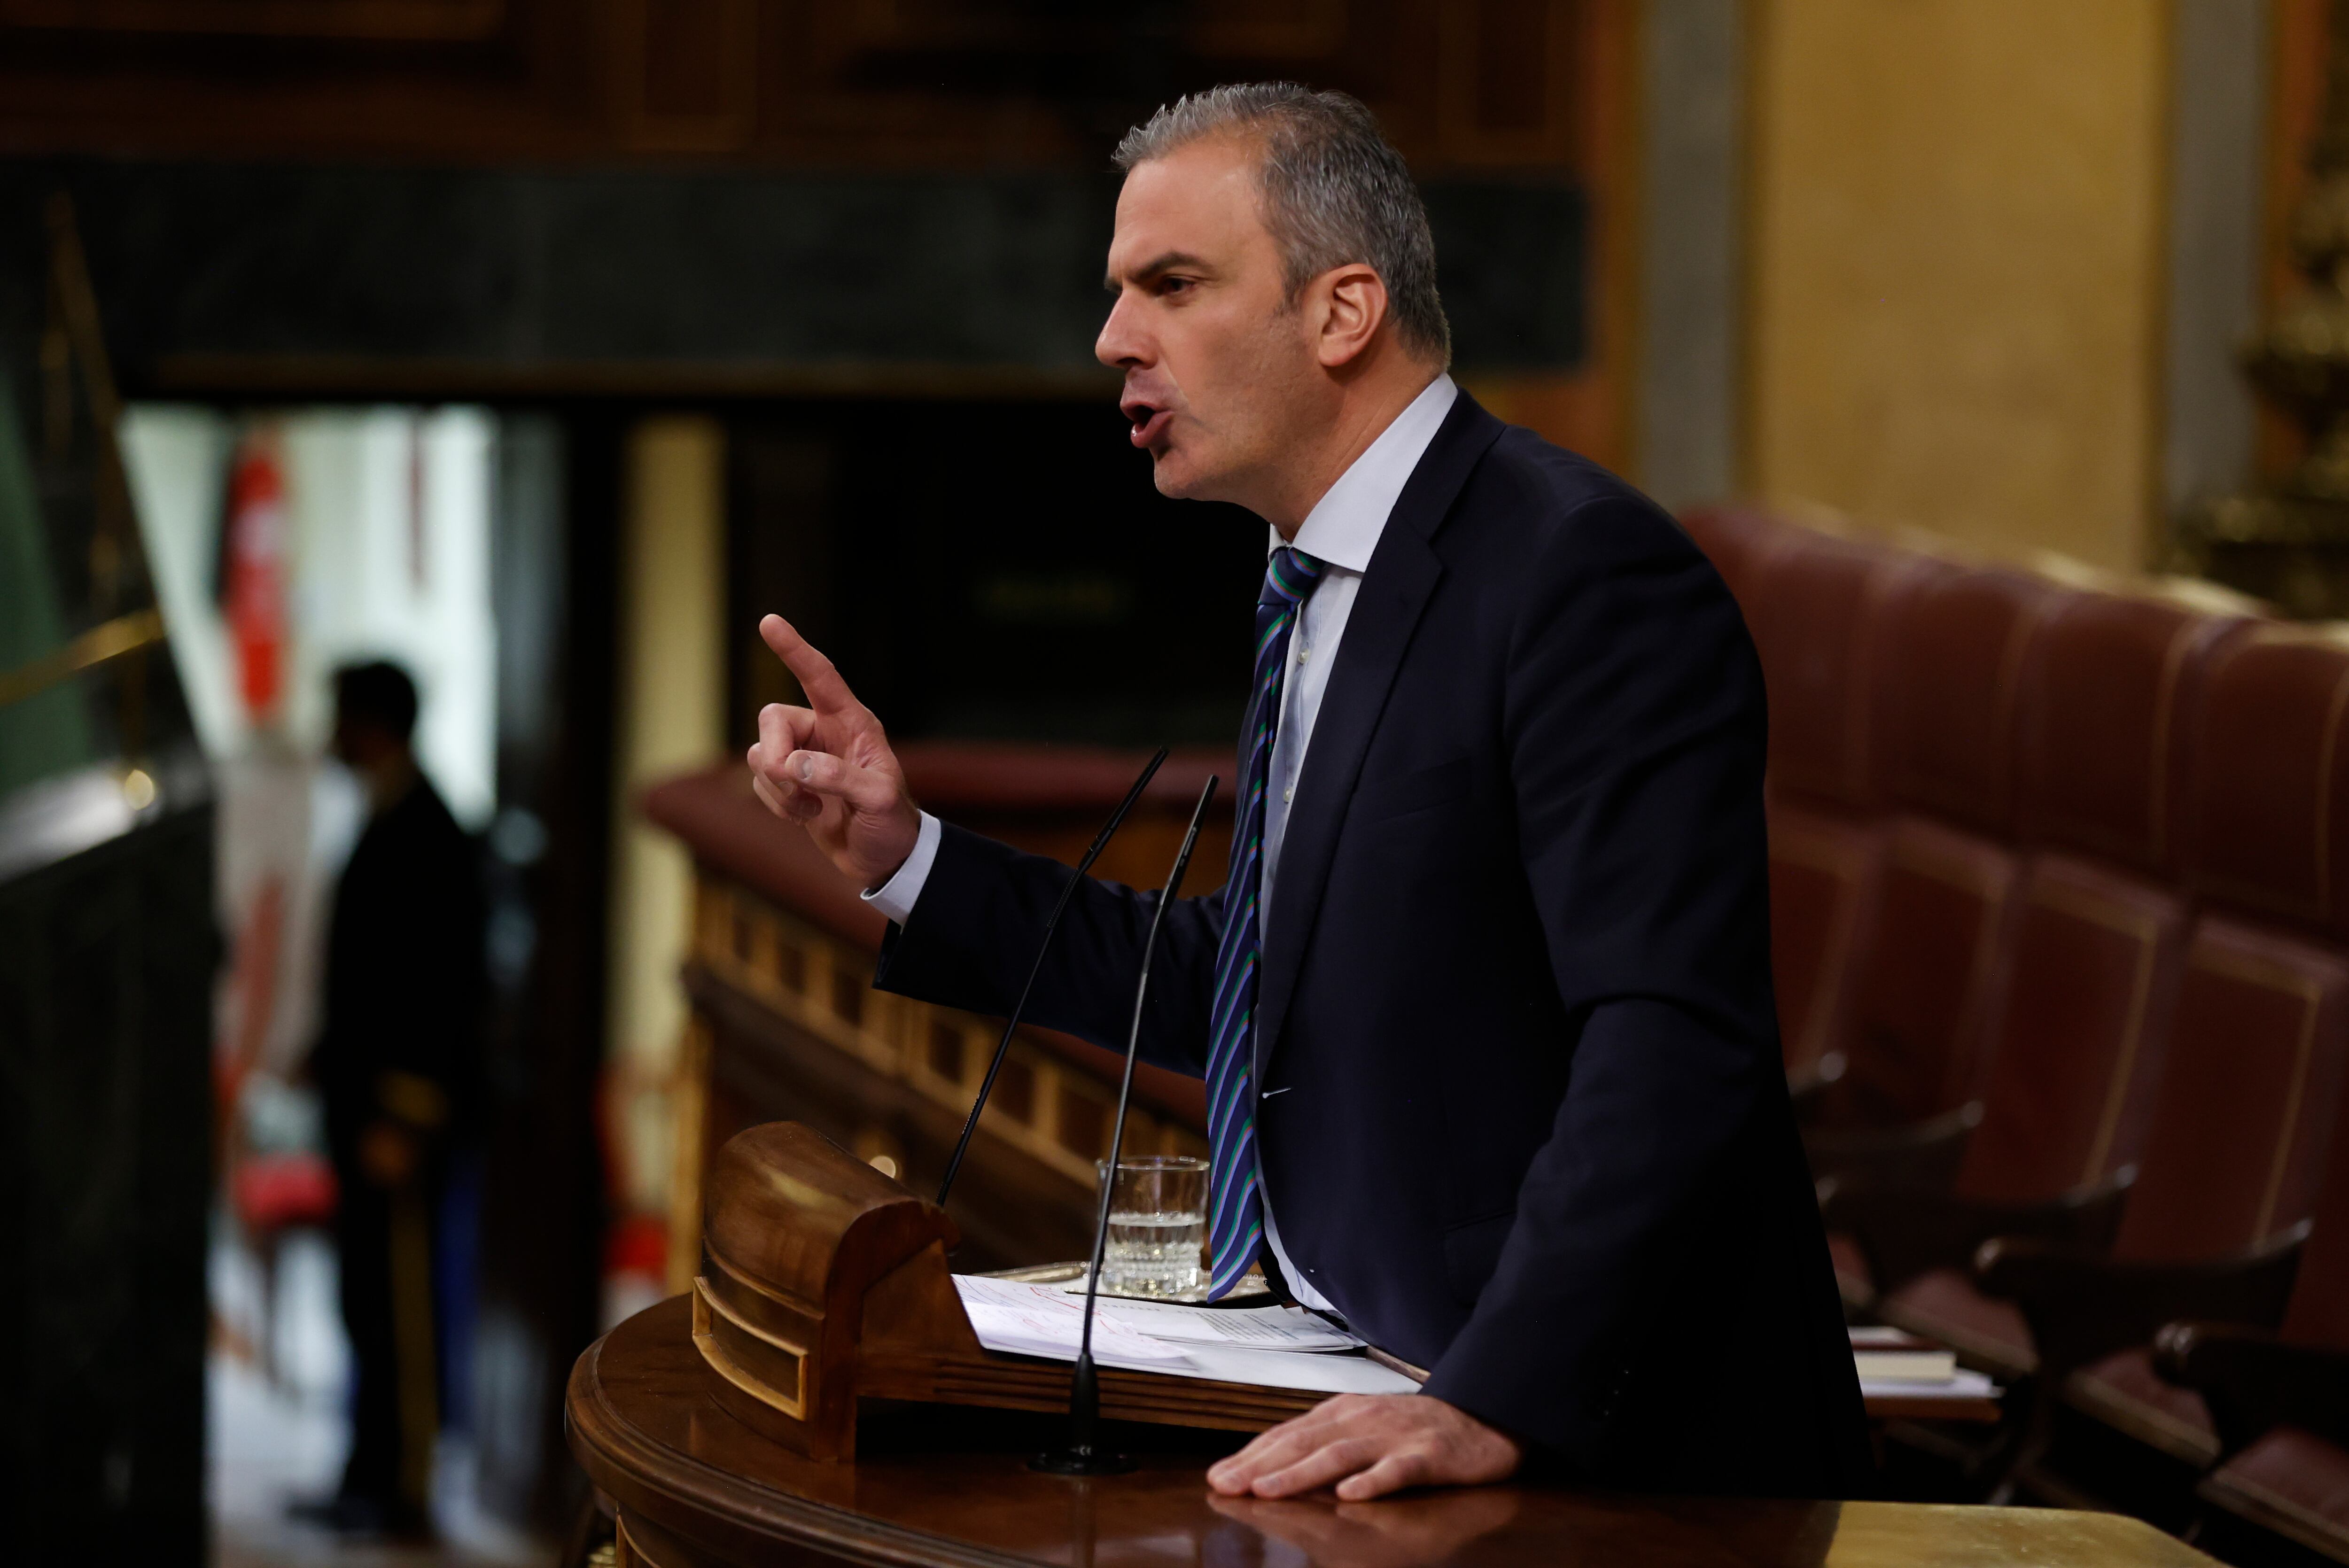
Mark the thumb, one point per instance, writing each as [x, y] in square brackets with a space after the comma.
[859, 789]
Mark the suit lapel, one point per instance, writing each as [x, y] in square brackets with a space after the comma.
[1395, 588]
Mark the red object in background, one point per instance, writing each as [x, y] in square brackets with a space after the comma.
[254, 590]
[638, 1244]
[273, 1191]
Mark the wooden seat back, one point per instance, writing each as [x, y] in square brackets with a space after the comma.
[2082, 1020]
[1821, 607]
[2261, 1036]
[1957, 659]
[2110, 725]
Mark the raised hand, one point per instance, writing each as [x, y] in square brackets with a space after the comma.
[828, 767]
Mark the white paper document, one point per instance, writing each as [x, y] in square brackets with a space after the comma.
[1036, 1320]
[1873, 1337]
[1167, 1336]
[1263, 1327]
[1956, 1383]
[1964, 1384]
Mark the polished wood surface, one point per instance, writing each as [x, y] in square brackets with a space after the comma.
[692, 1487]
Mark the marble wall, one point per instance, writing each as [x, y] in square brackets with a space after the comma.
[1957, 279]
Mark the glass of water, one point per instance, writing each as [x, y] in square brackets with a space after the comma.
[1157, 1227]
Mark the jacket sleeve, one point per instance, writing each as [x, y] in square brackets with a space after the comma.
[972, 936]
[1634, 725]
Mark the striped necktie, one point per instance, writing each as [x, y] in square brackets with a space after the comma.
[1237, 1220]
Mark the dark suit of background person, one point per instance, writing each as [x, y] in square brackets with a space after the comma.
[1521, 1113]
[400, 1044]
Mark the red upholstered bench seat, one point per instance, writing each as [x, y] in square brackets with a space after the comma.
[2125, 1392]
[2060, 874]
[2293, 1482]
[1985, 1332]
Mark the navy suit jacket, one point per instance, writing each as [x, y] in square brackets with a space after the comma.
[1530, 1128]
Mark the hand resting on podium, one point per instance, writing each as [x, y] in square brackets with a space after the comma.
[1368, 1445]
[828, 767]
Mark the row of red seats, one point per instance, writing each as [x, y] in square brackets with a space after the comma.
[2060, 886]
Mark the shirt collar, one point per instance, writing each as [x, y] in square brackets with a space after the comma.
[1343, 528]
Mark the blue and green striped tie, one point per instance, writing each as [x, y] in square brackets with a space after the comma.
[1236, 1218]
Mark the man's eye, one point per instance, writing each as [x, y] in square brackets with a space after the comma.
[1173, 285]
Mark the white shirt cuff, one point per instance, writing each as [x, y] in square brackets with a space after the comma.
[895, 897]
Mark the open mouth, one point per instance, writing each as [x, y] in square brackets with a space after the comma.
[1150, 422]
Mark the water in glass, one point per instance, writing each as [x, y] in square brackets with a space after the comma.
[1157, 1227]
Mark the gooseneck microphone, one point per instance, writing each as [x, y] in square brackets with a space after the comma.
[1081, 1455]
[1003, 1045]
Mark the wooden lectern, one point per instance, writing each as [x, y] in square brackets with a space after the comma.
[689, 1487]
[825, 1282]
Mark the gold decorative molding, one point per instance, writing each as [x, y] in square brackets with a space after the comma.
[2288, 541]
[108, 641]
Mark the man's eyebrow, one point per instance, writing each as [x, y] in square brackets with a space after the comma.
[1164, 264]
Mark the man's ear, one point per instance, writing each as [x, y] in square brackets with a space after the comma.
[1353, 307]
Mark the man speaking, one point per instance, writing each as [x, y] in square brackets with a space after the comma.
[1484, 1009]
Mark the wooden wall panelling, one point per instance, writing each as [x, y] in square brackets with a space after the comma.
[687, 73]
[397, 79]
[1482, 83]
[794, 1030]
[397, 275]
[1588, 145]
[1506, 82]
[1285, 30]
[404, 20]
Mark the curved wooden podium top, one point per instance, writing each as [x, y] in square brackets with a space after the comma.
[946, 1488]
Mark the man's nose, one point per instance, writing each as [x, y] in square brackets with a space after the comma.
[1120, 341]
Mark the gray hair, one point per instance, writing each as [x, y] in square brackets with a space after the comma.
[1334, 191]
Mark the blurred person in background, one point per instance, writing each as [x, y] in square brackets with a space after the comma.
[397, 1063]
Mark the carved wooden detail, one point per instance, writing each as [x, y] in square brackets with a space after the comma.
[827, 1283]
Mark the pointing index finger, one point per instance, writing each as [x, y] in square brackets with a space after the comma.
[826, 692]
